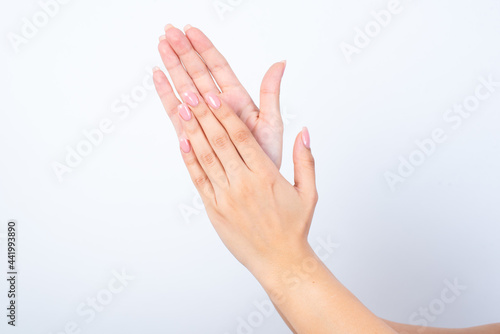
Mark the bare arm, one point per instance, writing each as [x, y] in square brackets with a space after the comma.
[410, 329]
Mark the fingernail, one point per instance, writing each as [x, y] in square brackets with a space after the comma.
[184, 112]
[213, 101]
[190, 98]
[168, 26]
[306, 140]
[185, 145]
[284, 65]
[187, 27]
[156, 68]
[162, 37]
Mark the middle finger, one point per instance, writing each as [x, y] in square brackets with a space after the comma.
[186, 68]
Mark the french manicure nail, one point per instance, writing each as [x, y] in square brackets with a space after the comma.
[185, 145]
[168, 26]
[162, 37]
[156, 68]
[306, 140]
[213, 101]
[187, 27]
[184, 112]
[190, 98]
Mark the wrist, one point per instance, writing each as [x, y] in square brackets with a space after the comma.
[287, 269]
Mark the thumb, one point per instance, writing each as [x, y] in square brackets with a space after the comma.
[304, 172]
[270, 93]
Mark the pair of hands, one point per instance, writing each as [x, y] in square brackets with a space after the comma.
[233, 151]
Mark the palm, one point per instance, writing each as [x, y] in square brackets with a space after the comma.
[192, 61]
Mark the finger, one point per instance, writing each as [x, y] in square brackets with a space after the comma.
[196, 172]
[304, 170]
[192, 62]
[217, 64]
[235, 94]
[202, 149]
[180, 78]
[270, 95]
[168, 98]
[217, 136]
[248, 148]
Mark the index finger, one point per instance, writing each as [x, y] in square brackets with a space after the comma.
[247, 146]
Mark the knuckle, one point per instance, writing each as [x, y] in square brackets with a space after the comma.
[241, 136]
[219, 67]
[233, 166]
[201, 112]
[268, 175]
[200, 181]
[197, 73]
[221, 141]
[191, 160]
[172, 111]
[220, 178]
[268, 91]
[208, 159]
[191, 128]
[243, 190]
[308, 163]
[223, 113]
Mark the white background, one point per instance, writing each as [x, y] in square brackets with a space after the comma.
[121, 207]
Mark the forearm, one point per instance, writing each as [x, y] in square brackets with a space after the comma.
[312, 300]
[285, 320]
[410, 329]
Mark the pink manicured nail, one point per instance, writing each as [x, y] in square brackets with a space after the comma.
[185, 145]
[184, 112]
[213, 100]
[190, 98]
[306, 140]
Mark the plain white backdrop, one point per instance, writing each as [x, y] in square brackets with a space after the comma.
[129, 205]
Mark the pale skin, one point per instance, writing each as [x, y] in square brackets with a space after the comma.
[232, 150]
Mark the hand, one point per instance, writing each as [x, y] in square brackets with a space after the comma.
[257, 213]
[192, 60]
